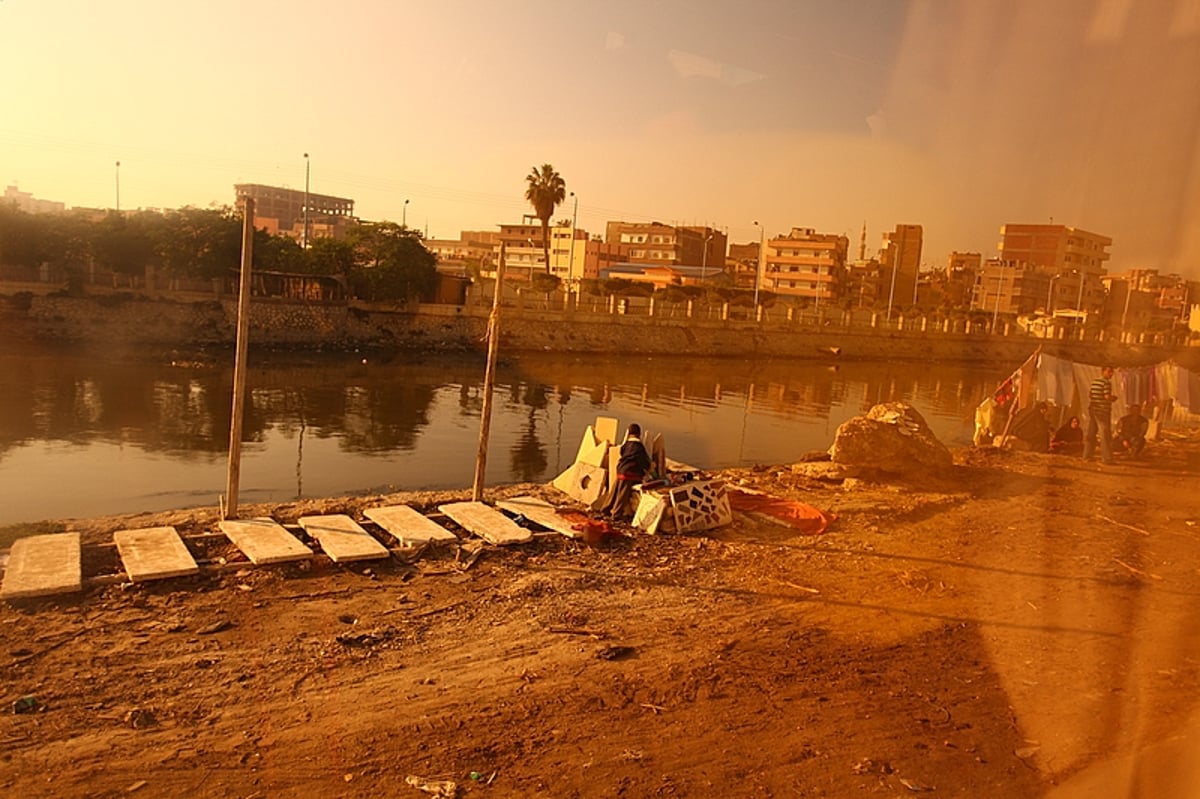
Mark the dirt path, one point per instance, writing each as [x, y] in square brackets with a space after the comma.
[1026, 627]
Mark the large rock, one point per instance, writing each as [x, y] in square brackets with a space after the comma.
[891, 438]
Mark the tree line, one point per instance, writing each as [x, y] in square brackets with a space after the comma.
[377, 261]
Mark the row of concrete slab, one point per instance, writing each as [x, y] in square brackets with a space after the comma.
[46, 565]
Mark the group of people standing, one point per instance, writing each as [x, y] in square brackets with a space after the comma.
[1032, 426]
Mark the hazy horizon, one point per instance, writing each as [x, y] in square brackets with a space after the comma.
[958, 116]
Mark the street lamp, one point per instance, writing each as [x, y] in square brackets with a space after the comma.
[704, 257]
[999, 291]
[304, 234]
[1079, 301]
[404, 216]
[118, 187]
[762, 254]
[1050, 295]
[574, 221]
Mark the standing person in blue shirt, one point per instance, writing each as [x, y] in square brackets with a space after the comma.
[1100, 400]
[632, 466]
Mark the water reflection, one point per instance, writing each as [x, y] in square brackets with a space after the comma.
[83, 436]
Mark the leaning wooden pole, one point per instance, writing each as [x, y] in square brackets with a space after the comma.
[489, 378]
[234, 470]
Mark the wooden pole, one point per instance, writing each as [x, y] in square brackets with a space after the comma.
[489, 378]
[234, 469]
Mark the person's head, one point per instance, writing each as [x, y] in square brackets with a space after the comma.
[1074, 422]
[1135, 410]
[1106, 371]
[1042, 407]
[635, 430]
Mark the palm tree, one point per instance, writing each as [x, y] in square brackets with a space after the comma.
[546, 190]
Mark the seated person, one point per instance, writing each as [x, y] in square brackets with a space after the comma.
[1130, 433]
[1032, 427]
[1068, 439]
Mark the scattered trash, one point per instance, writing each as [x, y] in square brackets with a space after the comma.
[26, 704]
[443, 788]
[346, 618]
[915, 786]
[140, 718]
[137, 786]
[467, 554]
[870, 766]
[475, 775]
[632, 754]
[215, 627]
[1026, 752]
[347, 777]
[372, 638]
[615, 652]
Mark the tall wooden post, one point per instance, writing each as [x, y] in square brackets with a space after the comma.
[234, 469]
[489, 378]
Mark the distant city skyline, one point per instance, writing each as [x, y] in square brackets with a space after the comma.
[958, 117]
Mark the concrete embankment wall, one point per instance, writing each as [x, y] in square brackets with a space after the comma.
[133, 322]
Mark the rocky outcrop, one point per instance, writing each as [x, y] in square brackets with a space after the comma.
[891, 438]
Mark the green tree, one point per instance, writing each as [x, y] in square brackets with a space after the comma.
[545, 190]
[125, 244]
[391, 263]
[201, 243]
[328, 256]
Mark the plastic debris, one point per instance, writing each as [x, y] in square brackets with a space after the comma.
[448, 789]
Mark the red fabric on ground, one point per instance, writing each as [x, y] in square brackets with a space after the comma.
[805, 518]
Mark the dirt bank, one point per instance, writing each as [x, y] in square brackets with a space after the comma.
[1025, 627]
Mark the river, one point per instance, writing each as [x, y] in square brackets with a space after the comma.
[82, 435]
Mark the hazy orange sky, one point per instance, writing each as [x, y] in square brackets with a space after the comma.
[959, 116]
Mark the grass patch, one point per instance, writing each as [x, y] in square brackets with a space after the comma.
[11, 532]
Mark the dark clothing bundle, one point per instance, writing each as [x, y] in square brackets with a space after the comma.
[634, 461]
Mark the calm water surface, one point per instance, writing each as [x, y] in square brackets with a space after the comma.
[88, 435]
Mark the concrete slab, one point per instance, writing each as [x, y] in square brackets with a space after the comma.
[42, 565]
[582, 482]
[342, 538]
[408, 525]
[540, 512]
[154, 553]
[488, 523]
[606, 429]
[264, 540]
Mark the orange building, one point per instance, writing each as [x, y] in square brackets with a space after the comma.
[806, 264]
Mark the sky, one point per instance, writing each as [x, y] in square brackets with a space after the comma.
[958, 115]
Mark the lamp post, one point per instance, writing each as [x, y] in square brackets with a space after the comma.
[304, 234]
[1050, 295]
[762, 254]
[404, 216]
[571, 257]
[704, 257]
[118, 187]
[1079, 301]
[999, 291]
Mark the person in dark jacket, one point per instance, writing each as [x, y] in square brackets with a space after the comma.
[632, 466]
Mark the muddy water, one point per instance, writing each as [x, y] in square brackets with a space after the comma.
[85, 435]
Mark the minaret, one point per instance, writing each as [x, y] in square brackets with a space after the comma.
[862, 243]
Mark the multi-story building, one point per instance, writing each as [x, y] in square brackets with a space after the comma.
[807, 265]
[472, 250]
[1011, 287]
[25, 201]
[900, 264]
[281, 211]
[659, 244]
[1073, 257]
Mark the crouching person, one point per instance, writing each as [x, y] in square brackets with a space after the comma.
[1131, 430]
[632, 465]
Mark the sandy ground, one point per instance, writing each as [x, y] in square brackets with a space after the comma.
[1024, 626]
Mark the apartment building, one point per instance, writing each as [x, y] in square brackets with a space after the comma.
[1074, 257]
[1011, 287]
[900, 265]
[281, 211]
[807, 265]
[659, 244]
[25, 201]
